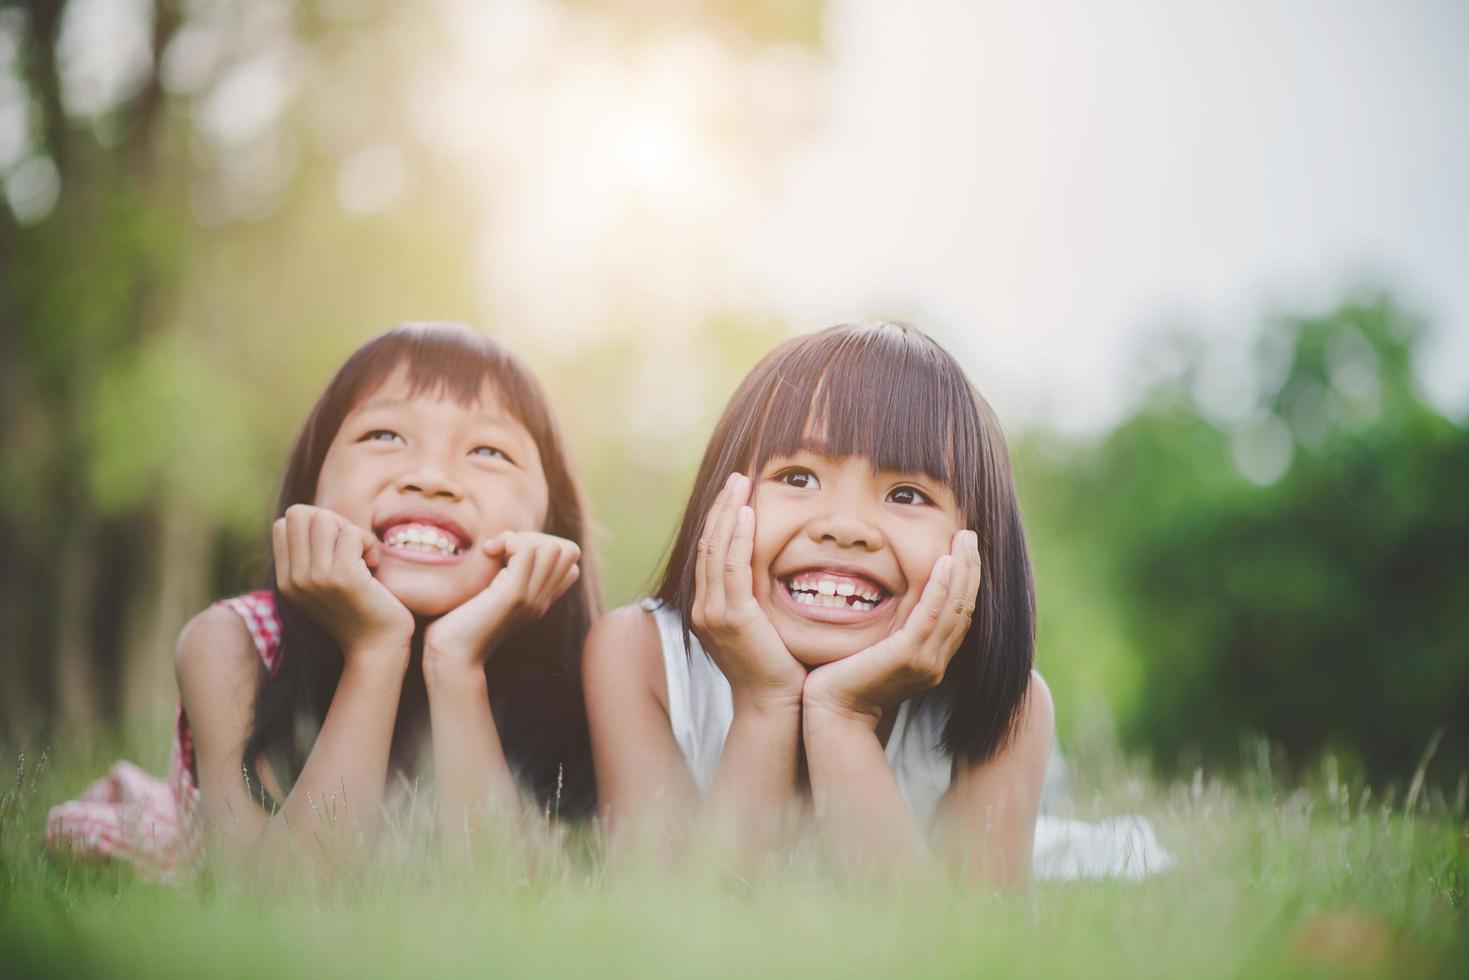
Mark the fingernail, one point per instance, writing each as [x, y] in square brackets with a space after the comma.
[729, 483]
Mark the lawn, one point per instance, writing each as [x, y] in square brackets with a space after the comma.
[1307, 877]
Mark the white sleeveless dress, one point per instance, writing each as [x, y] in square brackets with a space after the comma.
[701, 709]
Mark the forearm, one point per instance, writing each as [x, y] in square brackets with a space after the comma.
[859, 807]
[336, 801]
[754, 788]
[471, 776]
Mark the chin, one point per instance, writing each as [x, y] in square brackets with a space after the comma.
[814, 645]
[425, 599]
[818, 656]
[817, 635]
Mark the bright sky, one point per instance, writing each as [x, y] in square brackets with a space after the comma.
[1041, 184]
[1044, 183]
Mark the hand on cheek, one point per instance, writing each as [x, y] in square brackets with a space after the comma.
[914, 658]
[324, 567]
[531, 571]
[726, 617]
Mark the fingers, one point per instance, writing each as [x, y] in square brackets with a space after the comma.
[701, 549]
[565, 571]
[568, 579]
[312, 546]
[538, 568]
[925, 618]
[738, 579]
[351, 547]
[298, 542]
[717, 555]
[281, 549]
[554, 573]
[516, 560]
[371, 553]
[322, 533]
[963, 588]
[497, 546]
[713, 543]
[552, 557]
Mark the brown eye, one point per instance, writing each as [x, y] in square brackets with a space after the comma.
[798, 477]
[382, 435]
[908, 495]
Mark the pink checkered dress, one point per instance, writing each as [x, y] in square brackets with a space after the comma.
[136, 817]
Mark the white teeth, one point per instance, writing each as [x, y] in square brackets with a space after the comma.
[421, 539]
[811, 590]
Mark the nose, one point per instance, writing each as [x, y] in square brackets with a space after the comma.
[429, 479]
[846, 529]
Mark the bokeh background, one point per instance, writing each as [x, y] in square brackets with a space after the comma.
[1207, 260]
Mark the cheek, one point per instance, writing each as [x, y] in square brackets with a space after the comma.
[333, 496]
[512, 508]
[768, 545]
[344, 490]
[918, 560]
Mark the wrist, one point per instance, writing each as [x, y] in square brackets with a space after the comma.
[443, 672]
[377, 658]
[825, 712]
[767, 703]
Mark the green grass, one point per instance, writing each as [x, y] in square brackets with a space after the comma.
[1318, 879]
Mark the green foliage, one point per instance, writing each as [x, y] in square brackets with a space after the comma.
[166, 421]
[1325, 609]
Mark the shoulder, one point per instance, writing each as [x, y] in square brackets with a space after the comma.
[215, 651]
[622, 629]
[1035, 728]
[623, 651]
[1038, 714]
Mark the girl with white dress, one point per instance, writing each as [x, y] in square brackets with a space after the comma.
[847, 617]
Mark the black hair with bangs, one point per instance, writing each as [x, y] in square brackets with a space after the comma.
[534, 676]
[890, 393]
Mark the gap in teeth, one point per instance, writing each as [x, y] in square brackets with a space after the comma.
[825, 592]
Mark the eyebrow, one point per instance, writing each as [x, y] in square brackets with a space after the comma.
[816, 450]
[497, 418]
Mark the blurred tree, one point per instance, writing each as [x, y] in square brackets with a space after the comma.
[158, 158]
[78, 292]
[205, 207]
[1287, 560]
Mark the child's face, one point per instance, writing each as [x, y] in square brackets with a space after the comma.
[842, 553]
[433, 480]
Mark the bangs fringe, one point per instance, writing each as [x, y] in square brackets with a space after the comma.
[887, 393]
[453, 360]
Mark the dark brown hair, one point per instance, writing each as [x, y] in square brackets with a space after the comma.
[534, 676]
[890, 393]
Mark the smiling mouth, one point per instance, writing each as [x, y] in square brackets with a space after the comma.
[416, 539]
[834, 591]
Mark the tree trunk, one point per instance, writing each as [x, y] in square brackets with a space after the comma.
[175, 586]
[76, 672]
